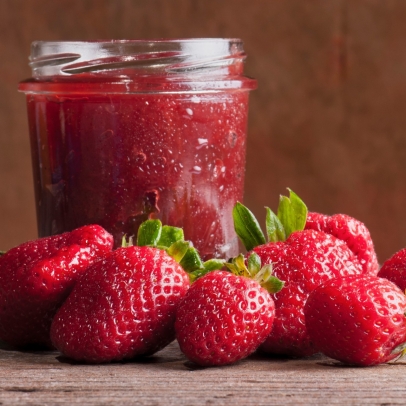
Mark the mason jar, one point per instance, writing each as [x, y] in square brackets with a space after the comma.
[125, 130]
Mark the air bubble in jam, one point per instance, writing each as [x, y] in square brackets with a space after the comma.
[140, 157]
[196, 169]
[201, 142]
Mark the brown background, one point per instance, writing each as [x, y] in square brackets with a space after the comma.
[328, 119]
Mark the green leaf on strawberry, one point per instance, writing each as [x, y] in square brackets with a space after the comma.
[149, 233]
[274, 227]
[169, 235]
[291, 216]
[247, 227]
[171, 239]
[178, 249]
[292, 212]
[213, 264]
[191, 260]
[254, 264]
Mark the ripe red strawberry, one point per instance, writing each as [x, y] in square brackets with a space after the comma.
[394, 269]
[224, 318]
[303, 259]
[124, 306]
[358, 320]
[37, 276]
[353, 232]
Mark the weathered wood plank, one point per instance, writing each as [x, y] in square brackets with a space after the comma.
[169, 379]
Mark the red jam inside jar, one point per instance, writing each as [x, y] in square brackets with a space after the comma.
[122, 131]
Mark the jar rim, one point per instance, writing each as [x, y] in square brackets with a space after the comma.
[139, 40]
[175, 55]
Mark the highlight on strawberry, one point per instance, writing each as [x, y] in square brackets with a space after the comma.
[302, 257]
[225, 316]
[124, 306]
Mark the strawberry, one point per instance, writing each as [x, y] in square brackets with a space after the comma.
[37, 276]
[394, 269]
[225, 316]
[358, 320]
[124, 306]
[303, 259]
[353, 232]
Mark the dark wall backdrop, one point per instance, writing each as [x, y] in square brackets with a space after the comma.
[328, 119]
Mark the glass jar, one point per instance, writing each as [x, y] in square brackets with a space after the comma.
[126, 130]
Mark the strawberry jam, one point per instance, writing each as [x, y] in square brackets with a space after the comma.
[119, 138]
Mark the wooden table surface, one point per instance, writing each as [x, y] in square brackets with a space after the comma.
[46, 378]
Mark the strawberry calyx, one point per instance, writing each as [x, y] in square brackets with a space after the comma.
[152, 233]
[291, 216]
[253, 269]
[2, 253]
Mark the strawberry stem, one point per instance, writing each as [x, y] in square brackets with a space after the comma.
[237, 266]
[254, 270]
[127, 243]
[265, 278]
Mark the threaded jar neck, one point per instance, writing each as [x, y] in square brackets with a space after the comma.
[116, 57]
[138, 66]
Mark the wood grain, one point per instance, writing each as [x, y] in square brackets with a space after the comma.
[328, 119]
[46, 378]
